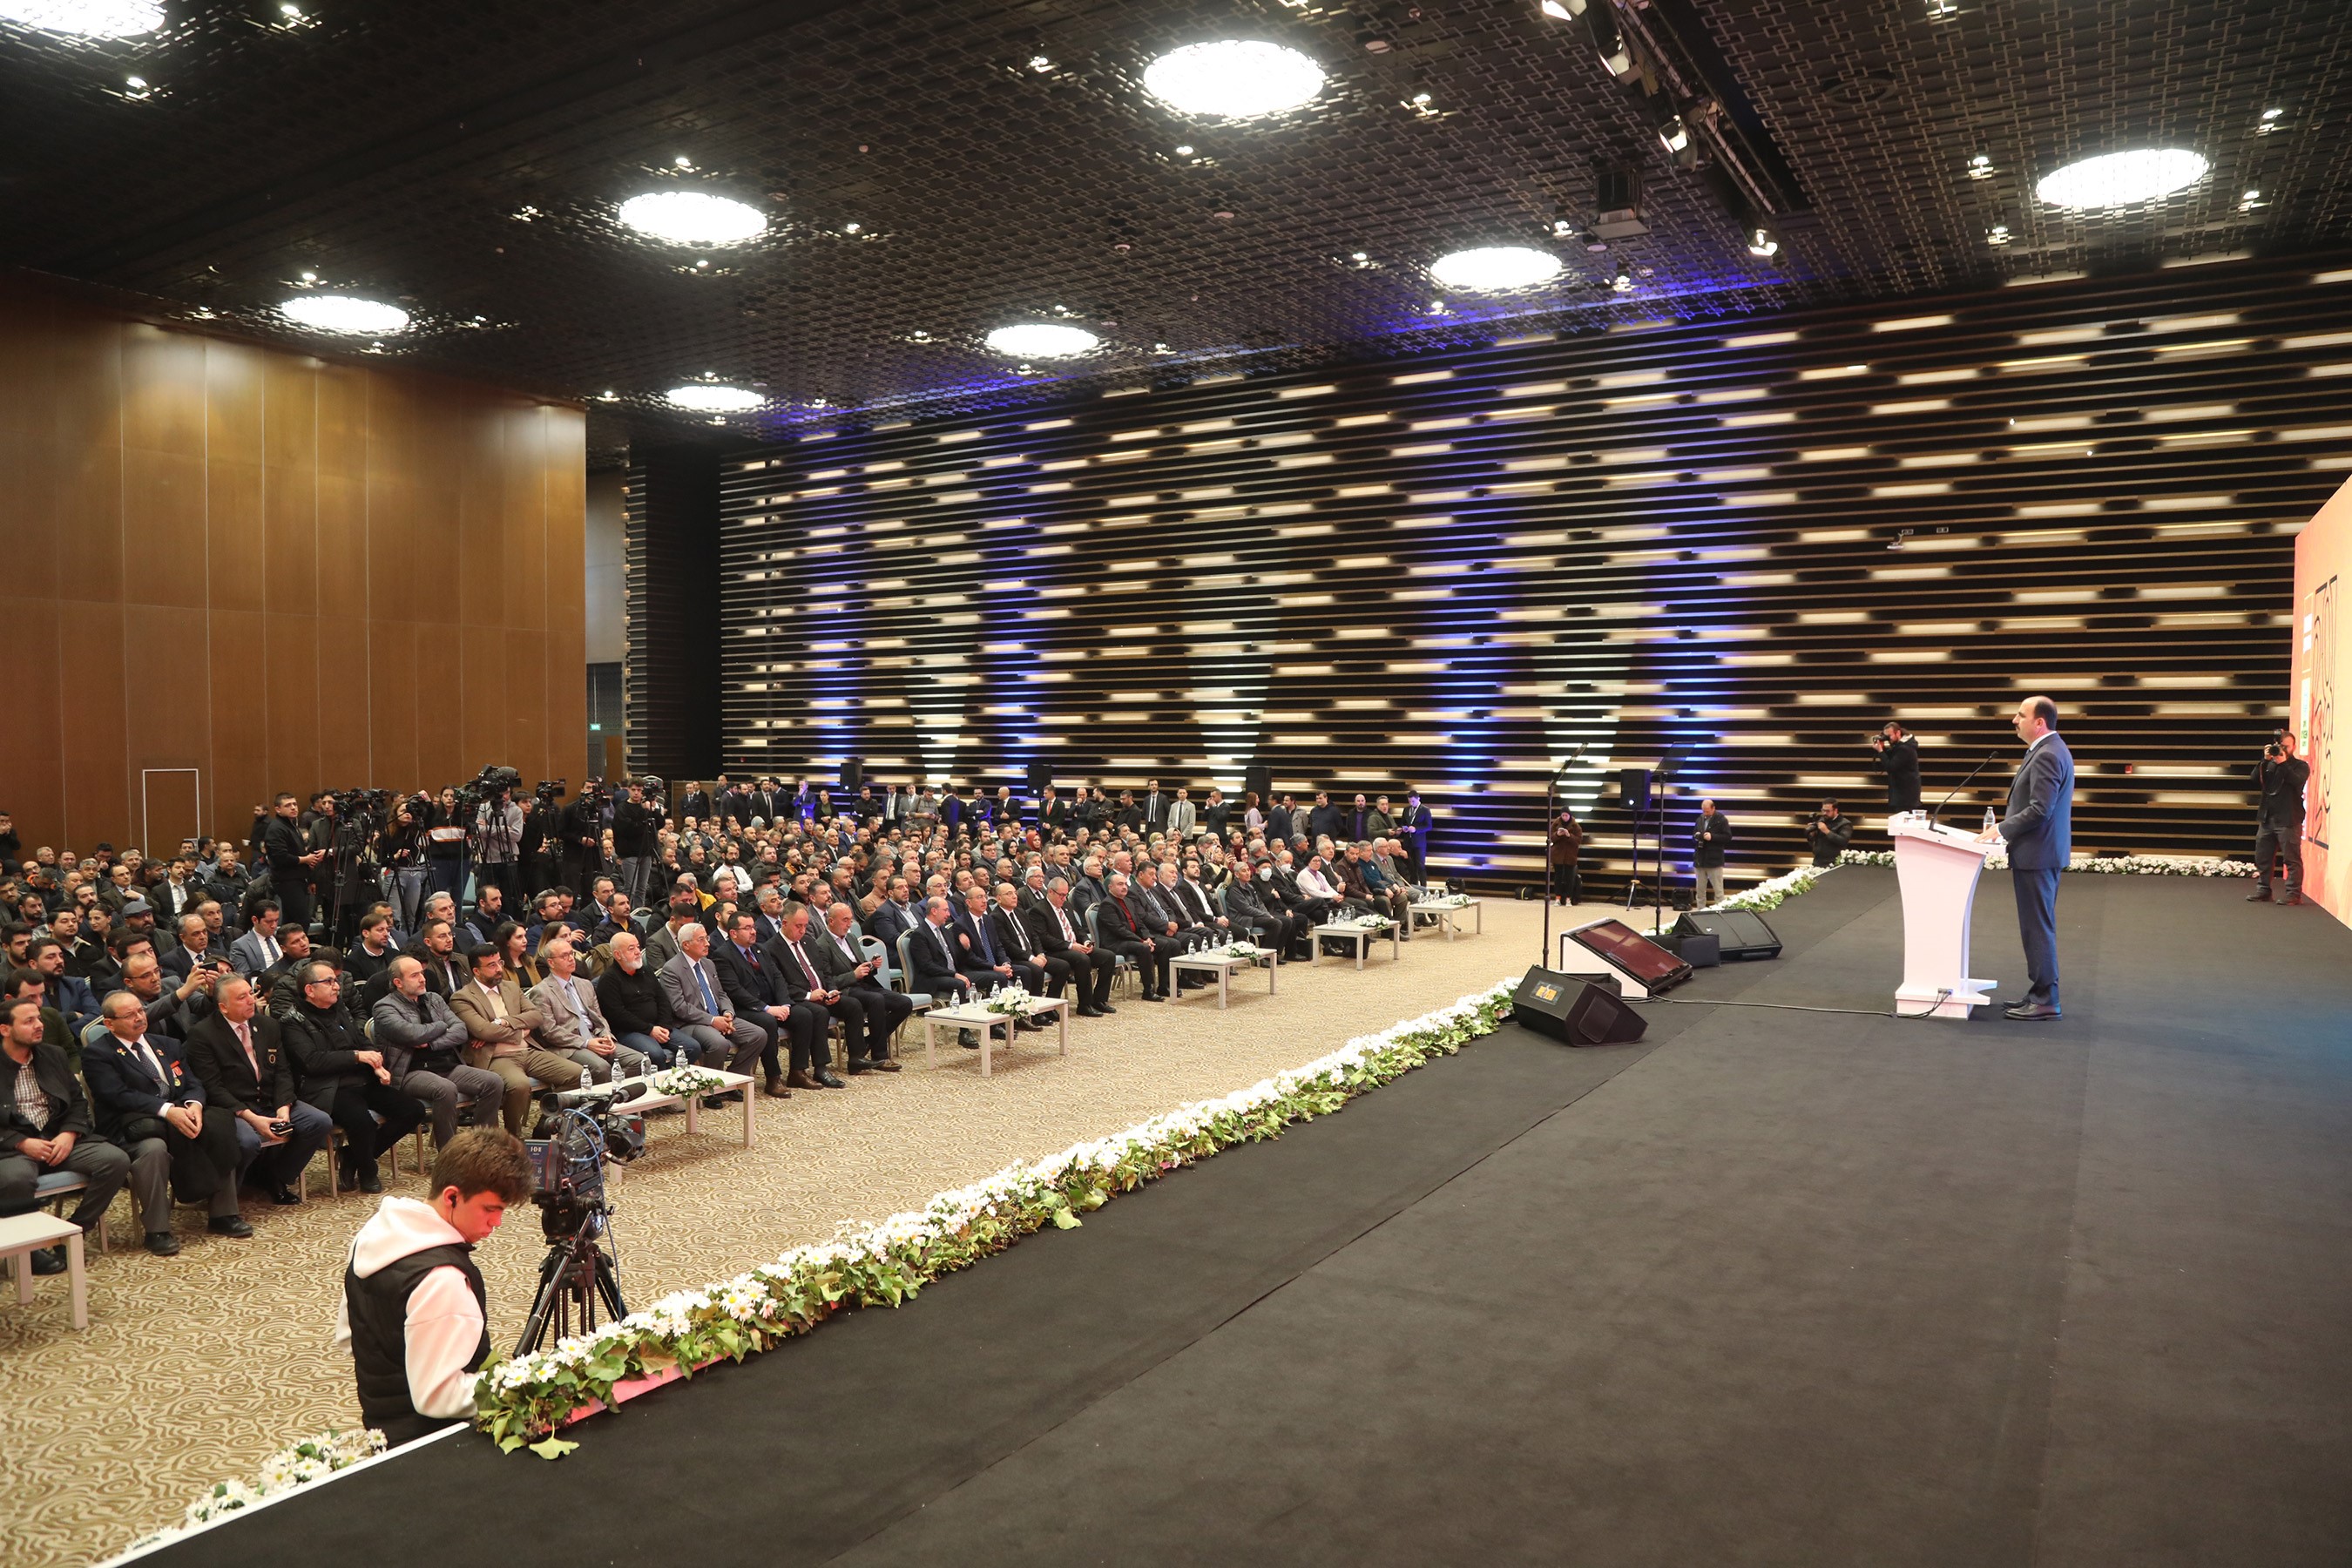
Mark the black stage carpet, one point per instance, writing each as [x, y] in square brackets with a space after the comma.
[1770, 1287]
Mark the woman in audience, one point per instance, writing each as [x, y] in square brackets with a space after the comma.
[513, 944]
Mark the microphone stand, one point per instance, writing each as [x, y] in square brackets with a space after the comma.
[1961, 786]
[1551, 809]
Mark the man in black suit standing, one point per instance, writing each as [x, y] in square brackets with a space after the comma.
[1053, 814]
[2039, 829]
[695, 803]
[1897, 753]
[1155, 807]
[290, 859]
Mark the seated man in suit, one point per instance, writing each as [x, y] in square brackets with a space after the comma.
[935, 957]
[1250, 904]
[338, 1070]
[1148, 899]
[573, 1021]
[1127, 933]
[698, 1003]
[147, 1101]
[424, 1045]
[815, 1006]
[1015, 936]
[897, 915]
[259, 948]
[1061, 935]
[985, 964]
[46, 1125]
[237, 1053]
[1359, 878]
[496, 1014]
[756, 984]
[847, 970]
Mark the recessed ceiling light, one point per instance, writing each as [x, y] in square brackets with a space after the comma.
[1185, 152]
[1762, 243]
[2272, 114]
[1558, 12]
[1495, 267]
[1622, 282]
[2122, 179]
[703, 397]
[1041, 339]
[86, 19]
[342, 313]
[1233, 78]
[693, 217]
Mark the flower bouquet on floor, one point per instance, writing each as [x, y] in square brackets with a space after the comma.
[683, 1081]
[1011, 1001]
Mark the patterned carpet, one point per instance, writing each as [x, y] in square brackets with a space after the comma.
[194, 1368]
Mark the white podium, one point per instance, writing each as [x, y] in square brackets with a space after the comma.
[1936, 868]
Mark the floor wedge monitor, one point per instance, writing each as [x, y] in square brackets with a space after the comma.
[1574, 1011]
[1740, 933]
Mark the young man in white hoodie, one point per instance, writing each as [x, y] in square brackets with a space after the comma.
[414, 1316]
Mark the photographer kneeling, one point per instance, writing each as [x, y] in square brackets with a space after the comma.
[414, 1314]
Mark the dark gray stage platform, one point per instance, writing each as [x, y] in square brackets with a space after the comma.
[1768, 1288]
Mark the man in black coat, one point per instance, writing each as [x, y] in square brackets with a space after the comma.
[46, 1125]
[823, 970]
[338, 1070]
[291, 858]
[1325, 821]
[695, 803]
[148, 1102]
[1009, 927]
[1126, 931]
[1827, 832]
[1710, 839]
[1898, 754]
[1061, 935]
[935, 956]
[238, 1055]
[2279, 779]
[762, 992]
[1251, 903]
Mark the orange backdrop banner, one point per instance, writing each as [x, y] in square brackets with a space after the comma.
[2323, 559]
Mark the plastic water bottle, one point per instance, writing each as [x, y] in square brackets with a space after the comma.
[1988, 821]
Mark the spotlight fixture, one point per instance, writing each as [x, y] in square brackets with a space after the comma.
[1997, 234]
[693, 217]
[2252, 199]
[851, 228]
[1675, 136]
[1041, 339]
[137, 87]
[608, 396]
[1762, 243]
[1041, 62]
[1623, 282]
[342, 313]
[86, 19]
[2122, 179]
[1559, 13]
[1233, 78]
[1609, 40]
[1980, 166]
[2270, 122]
[711, 397]
[1491, 268]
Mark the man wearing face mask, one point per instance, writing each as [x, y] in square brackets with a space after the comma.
[1251, 903]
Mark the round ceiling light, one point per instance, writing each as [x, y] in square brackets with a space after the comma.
[1235, 78]
[1041, 339]
[693, 217]
[704, 397]
[1492, 268]
[2122, 179]
[86, 18]
[342, 313]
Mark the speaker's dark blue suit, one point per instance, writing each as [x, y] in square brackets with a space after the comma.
[2039, 829]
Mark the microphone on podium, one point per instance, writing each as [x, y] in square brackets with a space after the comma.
[1957, 788]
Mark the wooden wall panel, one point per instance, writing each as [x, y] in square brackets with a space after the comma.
[1754, 539]
[253, 562]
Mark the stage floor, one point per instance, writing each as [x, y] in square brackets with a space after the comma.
[1769, 1286]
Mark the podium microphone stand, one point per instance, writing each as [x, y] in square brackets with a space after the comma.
[1663, 774]
[1552, 810]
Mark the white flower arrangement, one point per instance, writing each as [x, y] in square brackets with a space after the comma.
[1367, 923]
[1234, 950]
[2111, 866]
[1011, 1000]
[296, 1464]
[520, 1402]
[684, 1082]
[1446, 902]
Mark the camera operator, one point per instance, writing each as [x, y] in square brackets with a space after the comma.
[288, 851]
[1828, 833]
[400, 848]
[635, 823]
[2280, 778]
[414, 1312]
[542, 838]
[582, 830]
[498, 840]
[1897, 753]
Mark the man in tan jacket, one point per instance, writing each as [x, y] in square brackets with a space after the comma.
[501, 1022]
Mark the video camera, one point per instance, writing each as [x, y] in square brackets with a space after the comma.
[579, 1131]
[547, 792]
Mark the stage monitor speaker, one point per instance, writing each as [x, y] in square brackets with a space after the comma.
[1573, 1010]
[1634, 788]
[1259, 779]
[1041, 775]
[853, 775]
[1697, 950]
[1741, 934]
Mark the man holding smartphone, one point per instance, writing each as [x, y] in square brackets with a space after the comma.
[238, 1058]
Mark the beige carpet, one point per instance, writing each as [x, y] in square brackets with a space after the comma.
[196, 1367]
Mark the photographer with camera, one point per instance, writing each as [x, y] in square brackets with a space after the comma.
[1898, 754]
[414, 1312]
[636, 822]
[542, 840]
[1829, 833]
[287, 850]
[2279, 779]
[498, 834]
[401, 850]
[581, 831]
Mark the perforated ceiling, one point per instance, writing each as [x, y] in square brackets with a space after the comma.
[1002, 160]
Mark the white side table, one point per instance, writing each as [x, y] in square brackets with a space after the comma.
[1361, 937]
[1224, 967]
[23, 1235]
[973, 1015]
[643, 1100]
[1449, 916]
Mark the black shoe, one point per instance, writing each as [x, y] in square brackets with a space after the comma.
[718, 1102]
[229, 1224]
[2290, 901]
[831, 1079]
[49, 1260]
[283, 1196]
[1089, 1012]
[370, 1181]
[882, 1064]
[857, 1066]
[1155, 996]
[967, 1040]
[347, 1178]
[2259, 896]
[2031, 1012]
[1106, 1009]
[162, 1244]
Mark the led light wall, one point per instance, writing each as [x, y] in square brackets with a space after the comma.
[1754, 541]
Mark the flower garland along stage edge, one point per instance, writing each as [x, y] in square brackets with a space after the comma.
[2112, 866]
[296, 1464]
[520, 1402]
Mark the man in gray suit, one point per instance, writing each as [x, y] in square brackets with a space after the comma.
[699, 1005]
[572, 1021]
[2039, 829]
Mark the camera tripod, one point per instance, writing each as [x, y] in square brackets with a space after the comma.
[576, 1275]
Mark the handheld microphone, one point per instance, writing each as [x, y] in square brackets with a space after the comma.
[1961, 786]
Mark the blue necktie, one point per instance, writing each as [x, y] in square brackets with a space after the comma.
[710, 1003]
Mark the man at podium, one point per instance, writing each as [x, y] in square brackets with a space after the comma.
[2039, 830]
